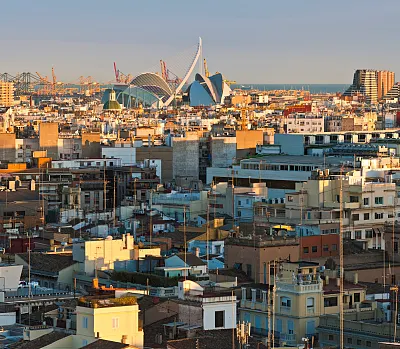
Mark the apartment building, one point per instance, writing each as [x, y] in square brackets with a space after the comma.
[304, 123]
[6, 94]
[301, 296]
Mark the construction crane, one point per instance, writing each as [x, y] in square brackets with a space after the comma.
[228, 82]
[44, 81]
[206, 71]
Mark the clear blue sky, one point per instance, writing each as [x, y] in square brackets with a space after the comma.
[253, 41]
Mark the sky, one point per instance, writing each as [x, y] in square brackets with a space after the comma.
[253, 41]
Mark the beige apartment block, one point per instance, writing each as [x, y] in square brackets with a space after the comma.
[6, 94]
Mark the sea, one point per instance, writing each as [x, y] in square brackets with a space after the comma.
[313, 88]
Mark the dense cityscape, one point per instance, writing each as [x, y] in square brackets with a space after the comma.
[177, 208]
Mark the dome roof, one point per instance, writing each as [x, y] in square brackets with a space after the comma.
[111, 105]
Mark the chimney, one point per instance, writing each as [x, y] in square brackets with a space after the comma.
[124, 339]
[197, 252]
[338, 282]
[95, 283]
[355, 278]
[326, 279]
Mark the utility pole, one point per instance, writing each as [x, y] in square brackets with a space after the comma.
[341, 266]
[396, 290]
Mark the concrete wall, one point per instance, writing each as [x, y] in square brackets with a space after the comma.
[223, 150]
[91, 145]
[7, 147]
[162, 153]
[291, 144]
[186, 156]
[48, 138]
[248, 139]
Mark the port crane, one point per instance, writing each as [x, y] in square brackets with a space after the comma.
[172, 79]
[121, 77]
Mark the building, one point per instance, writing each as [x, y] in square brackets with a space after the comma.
[48, 138]
[304, 123]
[253, 254]
[365, 327]
[183, 264]
[186, 156]
[6, 94]
[210, 309]
[206, 91]
[385, 82]
[21, 209]
[373, 84]
[301, 296]
[106, 253]
[51, 270]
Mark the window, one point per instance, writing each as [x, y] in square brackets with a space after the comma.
[368, 343]
[355, 217]
[290, 198]
[378, 215]
[366, 216]
[379, 200]
[219, 319]
[314, 249]
[115, 322]
[330, 337]
[325, 248]
[84, 342]
[305, 250]
[85, 322]
[334, 247]
[358, 341]
[368, 234]
[358, 234]
[330, 302]
[286, 302]
[349, 340]
[353, 198]
[310, 302]
[357, 297]
[248, 266]
[347, 235]
[396, 247]
[290, 326]
[366, 201]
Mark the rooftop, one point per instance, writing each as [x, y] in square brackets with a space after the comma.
[47, 262]
[106, 302]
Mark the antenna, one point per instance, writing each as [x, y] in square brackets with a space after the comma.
[341, 266]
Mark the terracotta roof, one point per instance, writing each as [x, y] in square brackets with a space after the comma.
[104, 344]
[48, 263]
[42, 341]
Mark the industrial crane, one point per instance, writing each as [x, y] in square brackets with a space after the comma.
[121, 77]
[171, 78]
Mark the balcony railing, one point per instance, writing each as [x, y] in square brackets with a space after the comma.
[288, 337]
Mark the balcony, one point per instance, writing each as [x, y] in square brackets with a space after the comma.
[285, 337]
[285, 310]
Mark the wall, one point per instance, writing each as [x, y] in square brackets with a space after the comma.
[7, 147]
[127, 155]
[223, 151]
[48, 138]
[91, 145]
[164, 154]
[291, 144]
[257, 257]
[319, 241]
[186, 156]
[248, 139]
[209, 310]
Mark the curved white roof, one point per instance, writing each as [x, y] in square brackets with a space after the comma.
[152, 79]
